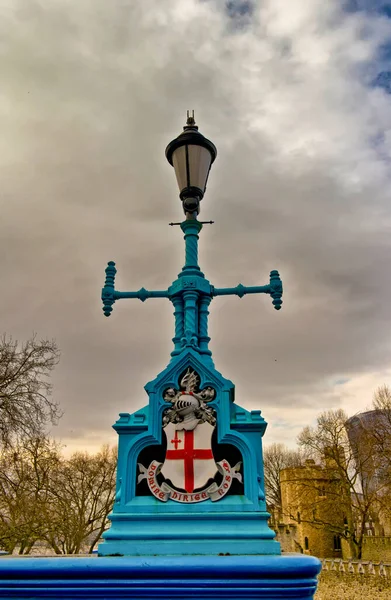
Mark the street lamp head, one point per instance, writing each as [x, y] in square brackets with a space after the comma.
[191, 154]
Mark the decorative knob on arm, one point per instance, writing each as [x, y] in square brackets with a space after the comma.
[276, 289]
[108, 297]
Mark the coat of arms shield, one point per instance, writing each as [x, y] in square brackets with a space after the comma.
[189, 462]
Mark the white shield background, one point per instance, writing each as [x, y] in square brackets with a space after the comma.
[180, 466]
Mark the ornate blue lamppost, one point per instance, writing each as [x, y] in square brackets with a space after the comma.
[192, 451]
[190, 469]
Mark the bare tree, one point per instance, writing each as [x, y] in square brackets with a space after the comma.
[275, 458]
[48, 499]
[373, 429]
[25, 473]
[82, 490]
[382, 398]
[345, 496]
[380, 426]
[26, 405]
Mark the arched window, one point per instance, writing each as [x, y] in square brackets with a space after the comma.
[337, 543]
[306, 543]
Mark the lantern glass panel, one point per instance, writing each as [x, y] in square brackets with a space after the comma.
[179, 164]
[191, 163]
[199, 161]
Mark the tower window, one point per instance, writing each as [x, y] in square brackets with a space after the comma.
[306, 543]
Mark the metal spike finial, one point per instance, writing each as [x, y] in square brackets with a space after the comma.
[190, 119]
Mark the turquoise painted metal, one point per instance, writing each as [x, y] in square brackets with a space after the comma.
[143, 525]
[191, 294]
[236, 524]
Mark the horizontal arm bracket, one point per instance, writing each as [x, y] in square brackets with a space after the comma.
[274, 289]
[110, 294]
[142, 294]
[241, 290]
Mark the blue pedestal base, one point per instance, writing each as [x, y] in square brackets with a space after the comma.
[163, 534]
[168, 578]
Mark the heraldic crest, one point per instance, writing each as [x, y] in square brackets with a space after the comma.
[189, 465]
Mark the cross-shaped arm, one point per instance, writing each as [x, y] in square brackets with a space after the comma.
[190, 295]
[110, 294]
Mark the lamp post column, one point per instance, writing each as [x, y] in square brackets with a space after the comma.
[191, 229]
[191, 318]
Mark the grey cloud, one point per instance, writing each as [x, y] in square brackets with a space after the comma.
[92, 94]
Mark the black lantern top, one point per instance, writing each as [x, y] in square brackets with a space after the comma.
[191, 154]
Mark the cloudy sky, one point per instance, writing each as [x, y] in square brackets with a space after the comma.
[295, 95]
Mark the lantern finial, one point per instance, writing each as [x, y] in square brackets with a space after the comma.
[190, 121]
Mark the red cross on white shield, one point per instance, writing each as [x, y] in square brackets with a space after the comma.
[189, 461]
